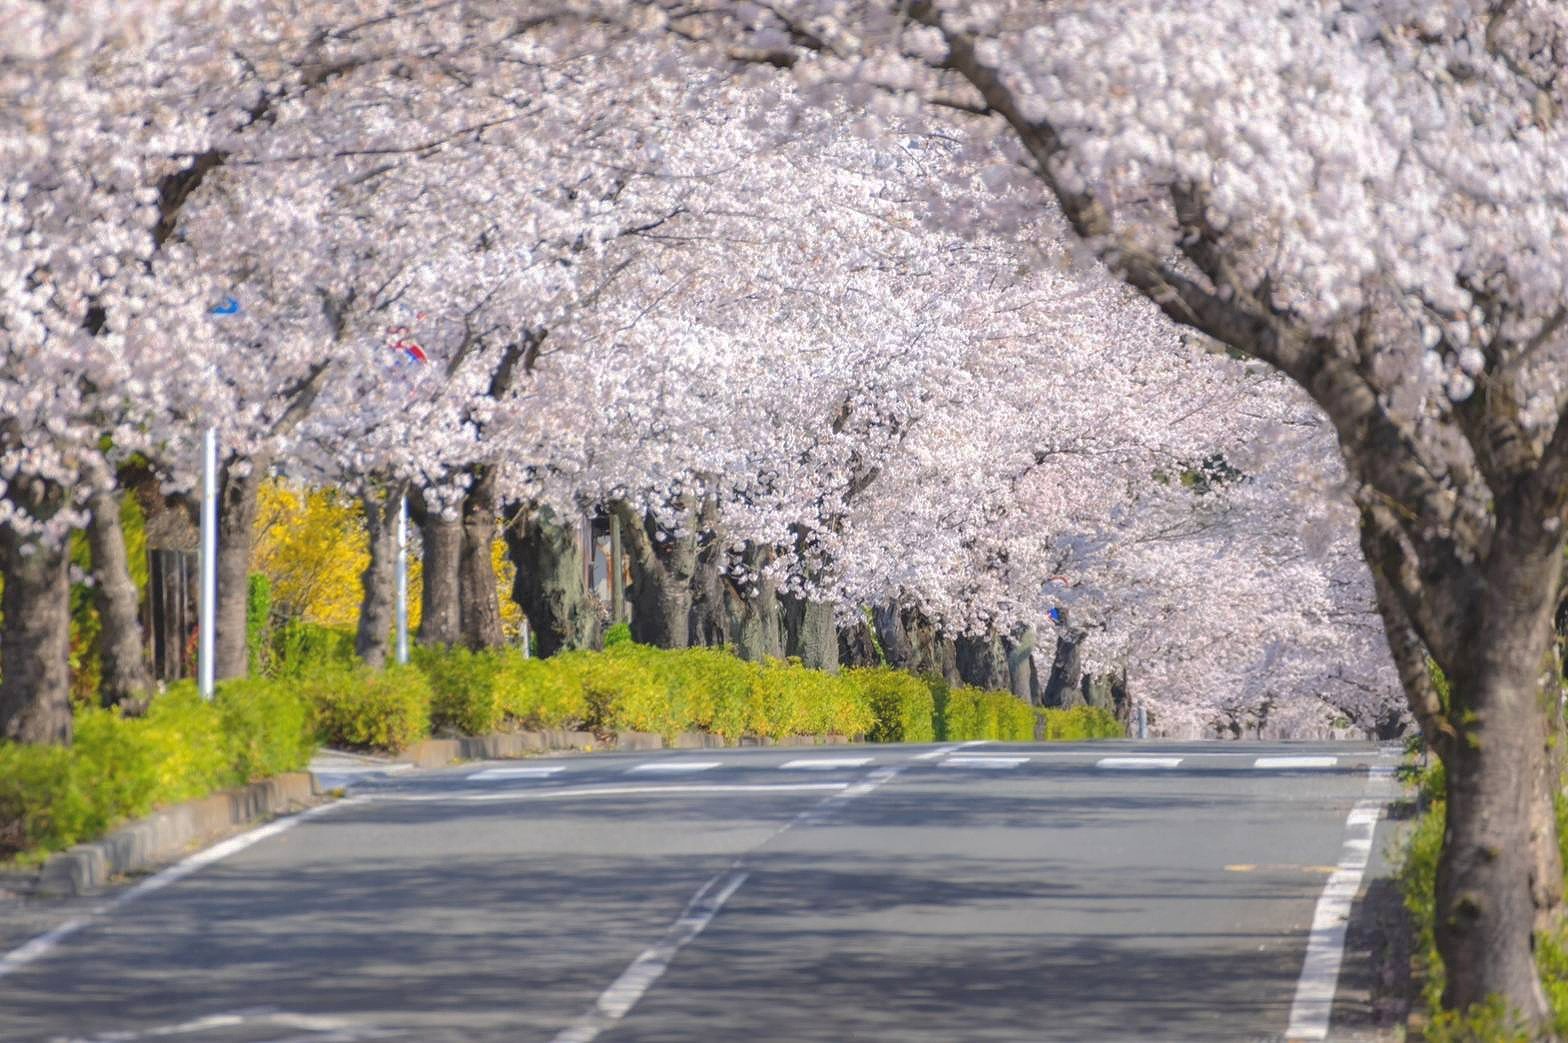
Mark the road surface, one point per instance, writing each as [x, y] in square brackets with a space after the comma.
[985, 892]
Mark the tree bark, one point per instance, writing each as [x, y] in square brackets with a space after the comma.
[810, 633]
[441, 545]
[982, 662]
[911, 642]
[120, 644]
[239, 488]
[1022, 677]
[35, 636]
[1499, 878]
[479, 610]
[663, 566]
[549, 587]
[1063, 689]
[378, 583]
[856, 647]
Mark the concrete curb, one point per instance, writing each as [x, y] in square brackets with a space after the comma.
[168, 833]
[437, 753]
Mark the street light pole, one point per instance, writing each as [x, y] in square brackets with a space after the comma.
[209, 561]
[402, 579]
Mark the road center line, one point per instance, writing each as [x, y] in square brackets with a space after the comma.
[537, 772]
[41, 946]
[1295, 762]
[1314, 1002]
[481, 796]
[1137, 763]
[674, 767]
[615, 1002]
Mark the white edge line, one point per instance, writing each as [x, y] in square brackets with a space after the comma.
[931, 755]
[1313, 1006]
[517, 773]
[1295, 762]
[825, 763]
[45, 943]
[675, 766]
[1135, 763]
[482, 796]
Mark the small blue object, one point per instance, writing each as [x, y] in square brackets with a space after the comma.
[230, 306]
[1056, 615]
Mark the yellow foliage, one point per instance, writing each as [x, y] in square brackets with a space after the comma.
[311, 544]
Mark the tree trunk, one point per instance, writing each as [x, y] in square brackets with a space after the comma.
[663, 566]
[1499, 878]
[1021, 677]
[856, 646]
[710, 624]
[549, 587]
[35, 637]
[239, 487]
[1062, 688]
[753, 612]
[810, 633]
[982, 662]
[125, 673]
[378, 583]
[479, 612]
[441, 545]
[912, 642]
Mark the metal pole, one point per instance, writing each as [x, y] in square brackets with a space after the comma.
[1143, 722]
[402, 579]
[526, 653]
[617, 592]
[209, 560]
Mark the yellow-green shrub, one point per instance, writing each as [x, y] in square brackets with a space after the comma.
[370, 709]
[902, 704]
[540, 693]
[1081, 722]
[966, 713]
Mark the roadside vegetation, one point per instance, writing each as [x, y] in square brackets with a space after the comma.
[123, 765]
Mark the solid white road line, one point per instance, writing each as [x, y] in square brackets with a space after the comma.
[943, 751]
[1137, 763]
[47, 942]
[483, 796]
[536, 772]
[652, 962]
[1295, 762]
[1314, 1003]
[624, 992]
[674, 767]
[985, 761]
[825, 763]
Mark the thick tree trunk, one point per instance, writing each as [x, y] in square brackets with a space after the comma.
[378, 583]
[663, 566]
[753, 611]
[35, 701]
[1021, 676]
[856, 647]
[479, 613]
[1499, 878]
[239, 488]
[710, 624]
[1063, 688]
[549, 587]
[440, 611]
[125, 673]
[912, 642]
[982, 662]
[810, 633]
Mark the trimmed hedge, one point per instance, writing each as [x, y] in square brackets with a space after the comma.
[973, 713]
[1079, 723]
[119, 768]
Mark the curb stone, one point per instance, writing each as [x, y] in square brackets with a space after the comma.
[168, 833]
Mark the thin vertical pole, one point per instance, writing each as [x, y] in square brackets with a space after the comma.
[617, 592]
[209, 560]
[402, 579]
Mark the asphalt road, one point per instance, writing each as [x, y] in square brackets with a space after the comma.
[905, 893]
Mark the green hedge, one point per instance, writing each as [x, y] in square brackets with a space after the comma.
[966, 713]
[1079, 723]
[120, 768]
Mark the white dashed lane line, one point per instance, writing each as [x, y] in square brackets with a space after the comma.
[1295, 762]
[534, 772]
[673, 767]
[1137, 763]
[990, 761]
[824, 763]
